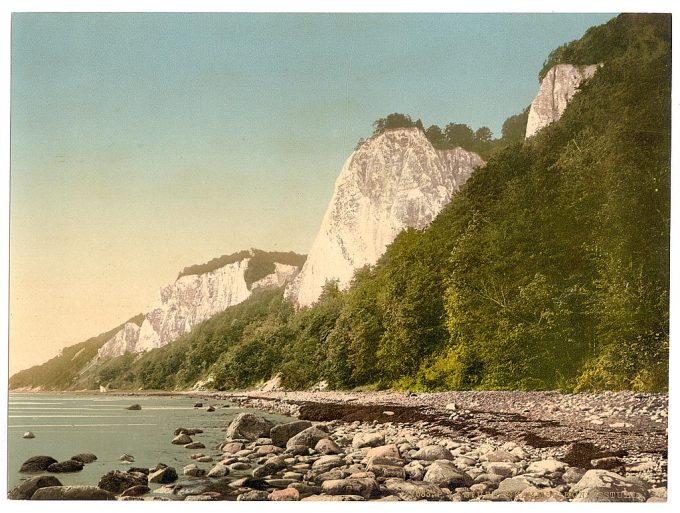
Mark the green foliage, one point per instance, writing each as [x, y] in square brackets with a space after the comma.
[260, 265]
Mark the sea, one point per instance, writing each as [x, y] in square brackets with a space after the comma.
[68, 424]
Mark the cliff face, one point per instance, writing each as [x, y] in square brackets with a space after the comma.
[392, 181]
[188, 301]
[557, 88]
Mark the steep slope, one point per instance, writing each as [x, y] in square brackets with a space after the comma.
[557, 89]
[392, 181]
[61, 371]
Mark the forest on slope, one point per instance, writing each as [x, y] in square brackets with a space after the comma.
[548, 270]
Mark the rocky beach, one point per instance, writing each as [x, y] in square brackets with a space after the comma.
[389, 446]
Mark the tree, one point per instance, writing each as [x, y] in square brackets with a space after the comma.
[459, 134]
[392, 121]
[483, 134]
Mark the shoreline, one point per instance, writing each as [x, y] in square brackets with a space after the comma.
[621, 434]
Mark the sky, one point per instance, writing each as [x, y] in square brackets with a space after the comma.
[143, 143]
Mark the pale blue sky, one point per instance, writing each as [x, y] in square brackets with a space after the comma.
[142, 143]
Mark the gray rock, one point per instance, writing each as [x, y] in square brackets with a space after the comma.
[164, 475]
[66, 466]
[249, 427]
[383, 466]
[127, 458]
[327, 446]
[118, 481]
[413, 490]
[134, 407]
[326, 463]
[368, 440]
[432, 453]
[307, 438]
[72, 493]
[271, 466]
[26, 489]
[28, 434]
[605, 486]
[445, 475]
[502, 456]
[218, 470]
[200, 497]
[340, 498]
[281, 433]
[84, 457]
[182, 439]
[305, 489]
[545, 467]
[415, 471]
[194, 445]
[253, 495]
[573, 475]
[37, 464]
[509, 488]
[192, 470]
[365, 487]
[239, 466]
[136, 491]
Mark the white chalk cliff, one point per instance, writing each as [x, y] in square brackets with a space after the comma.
[557, 89]
[188, 301]
[390, 182]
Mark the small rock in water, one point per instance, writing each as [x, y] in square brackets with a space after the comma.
[210, 408]
[127, 458]
[29, 434]
[84, 457]
[134, 407]
[388, 413]
[193, 471]
[66, 466]
[162, 475]
[118, 481]
[198, 405]
[181, 439]
[194, 445]
[287, 494]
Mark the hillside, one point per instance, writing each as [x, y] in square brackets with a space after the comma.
[549, 269]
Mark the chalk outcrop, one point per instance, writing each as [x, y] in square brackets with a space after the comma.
[392, 181]
[557, 89]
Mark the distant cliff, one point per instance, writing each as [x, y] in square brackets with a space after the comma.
[199, 293]
[392, 181]
[557, 89]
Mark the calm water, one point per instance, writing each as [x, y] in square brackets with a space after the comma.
[65, 425]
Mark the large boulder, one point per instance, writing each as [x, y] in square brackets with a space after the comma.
[163, 475]
[118, 481]
[307, 438]
[72, 493]
[37, 464]
[368, 440]
[432, 453]
[327, 446]
[509, 488]
[26, 489]
[249, 426]
[444, 474]
[281, 433]
[605, 486]
[66, 466]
